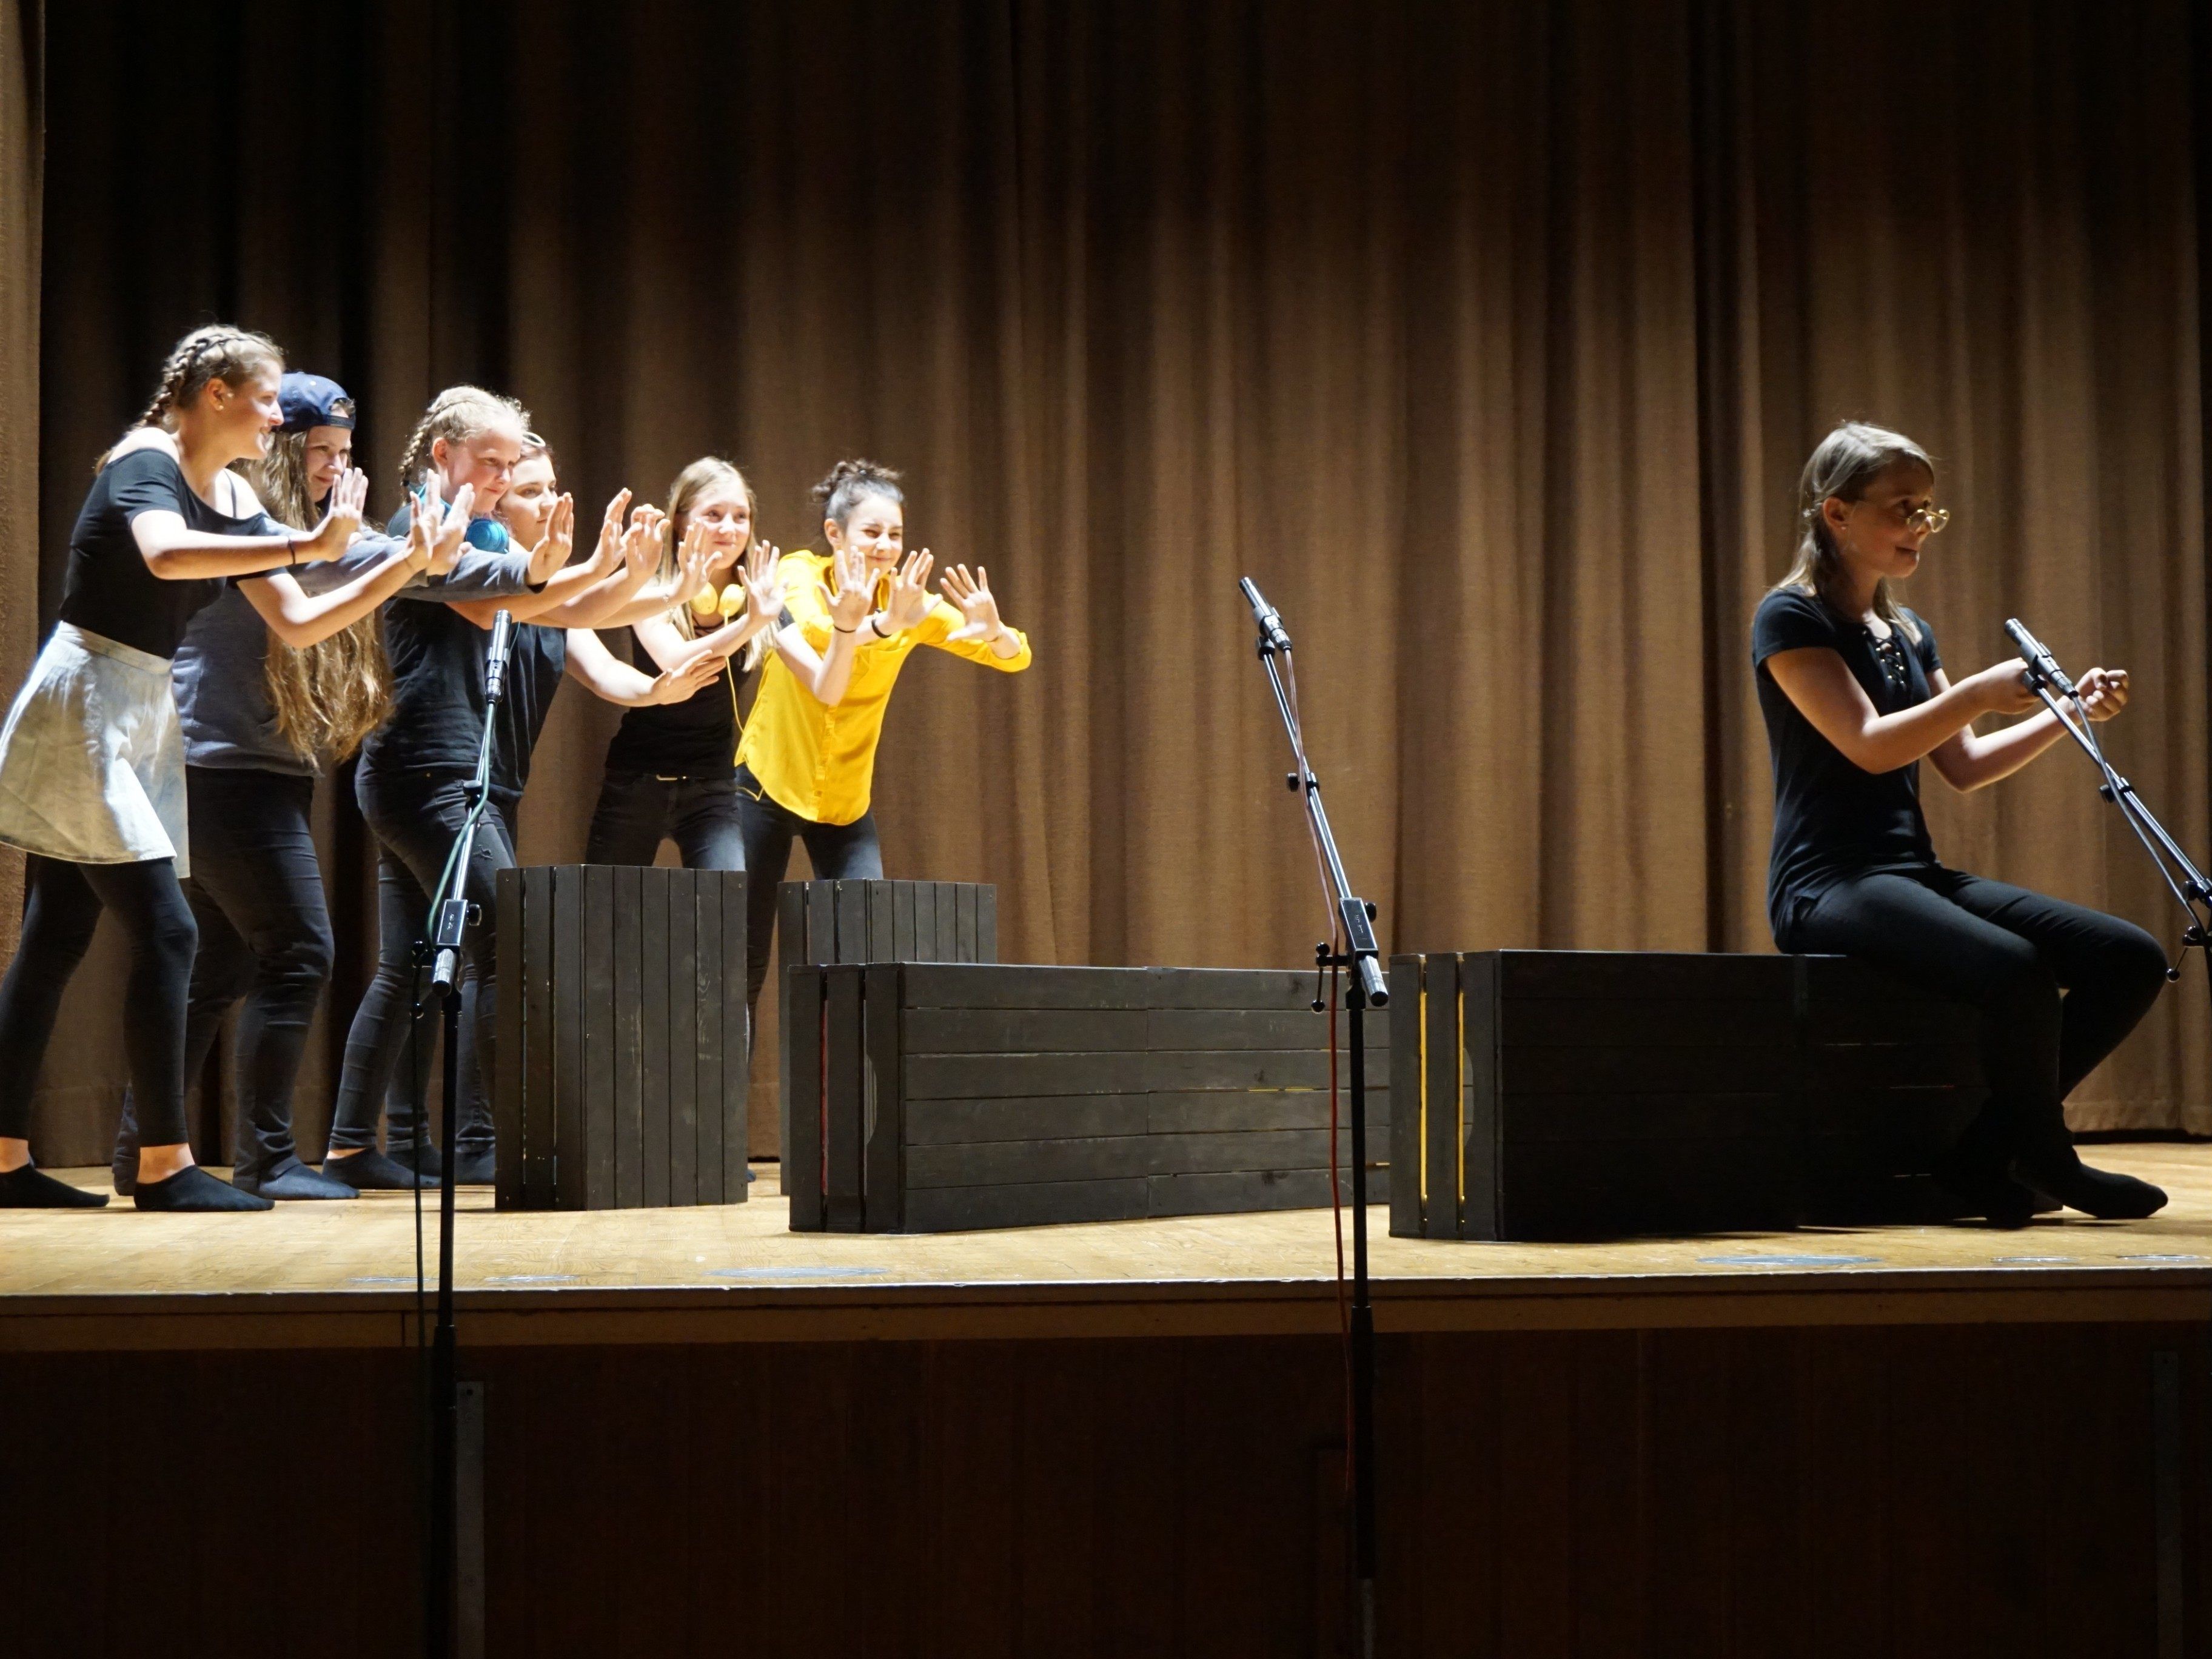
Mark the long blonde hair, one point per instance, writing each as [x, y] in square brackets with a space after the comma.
[707, 473]
[1841, 468]
[336, 692]
[220, 351]
[457, 413]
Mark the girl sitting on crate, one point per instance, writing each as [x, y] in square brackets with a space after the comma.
[1855, 695]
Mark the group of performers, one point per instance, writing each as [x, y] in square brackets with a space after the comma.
[227, 633]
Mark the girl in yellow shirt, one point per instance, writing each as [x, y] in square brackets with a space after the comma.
[806, 768]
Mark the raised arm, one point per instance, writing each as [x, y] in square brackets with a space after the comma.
[301, 619]
[591, 666]
[1819, 683]
[176, 552]
[825, 673]
[1967, 760]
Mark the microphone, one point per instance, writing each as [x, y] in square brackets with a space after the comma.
[502, 636]
[2040, 663]
[1270, 624]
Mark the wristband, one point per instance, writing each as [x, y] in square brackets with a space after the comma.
[292, 552]
[876, 622]
[854, 629]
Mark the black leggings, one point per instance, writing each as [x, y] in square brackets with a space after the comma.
[62, 908]
[2010, 953]
[837, 850]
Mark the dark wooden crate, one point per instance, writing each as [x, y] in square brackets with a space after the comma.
[622, 1058]
[1570, 1094]
[821, 923]
[932, 1098]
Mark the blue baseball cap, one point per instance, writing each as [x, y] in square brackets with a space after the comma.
[310, 400]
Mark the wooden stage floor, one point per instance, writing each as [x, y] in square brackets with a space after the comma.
[342, 1275]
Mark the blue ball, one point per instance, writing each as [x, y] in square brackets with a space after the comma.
[488, 536]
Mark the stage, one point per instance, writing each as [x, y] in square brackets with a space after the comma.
[1937, 1440]
[340, 1275]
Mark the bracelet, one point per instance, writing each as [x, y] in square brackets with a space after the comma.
[877, 624]
[854, 629]
[292, 552]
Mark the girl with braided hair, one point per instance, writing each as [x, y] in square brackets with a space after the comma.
[91, 762]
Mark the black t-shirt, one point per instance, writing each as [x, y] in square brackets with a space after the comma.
[108, 590]
[1832, 819]
[695, 738]
[438, 658]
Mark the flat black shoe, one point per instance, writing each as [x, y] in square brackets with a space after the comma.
[296, 1183]
[1990, 1192]
[193, 1189]
[27, 1187]
[371, 1171]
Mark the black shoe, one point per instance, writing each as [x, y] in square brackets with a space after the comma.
[475, 1166]
[371, 1171]
[26, 1187]
[2104, 1193]
[1986, 1190]
[295, 1181]
[193, 1189]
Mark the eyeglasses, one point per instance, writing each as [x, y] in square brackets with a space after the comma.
[1927, 520]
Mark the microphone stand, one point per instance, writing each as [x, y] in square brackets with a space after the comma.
[1367, 988]
[2189, 885]
[452, 914]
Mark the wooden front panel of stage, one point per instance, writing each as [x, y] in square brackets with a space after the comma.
[1847, 1490]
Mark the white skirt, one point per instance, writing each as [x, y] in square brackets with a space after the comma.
[92, 758]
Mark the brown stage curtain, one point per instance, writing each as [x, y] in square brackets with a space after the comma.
[22, 156]
[1488, 336]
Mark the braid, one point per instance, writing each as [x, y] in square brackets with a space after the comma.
[457, 413]
[220, 351]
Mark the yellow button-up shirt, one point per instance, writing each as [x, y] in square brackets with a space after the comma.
[819, 761]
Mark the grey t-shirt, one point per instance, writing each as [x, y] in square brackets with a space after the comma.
[219, 670]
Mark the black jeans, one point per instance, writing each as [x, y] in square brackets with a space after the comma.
[61, 909]
[416, 817]
[638, 811]
[838, 851]
[256, 891]
[2059, 986]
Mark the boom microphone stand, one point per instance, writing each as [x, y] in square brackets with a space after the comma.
[1355, 917]
[2189, 886]
[452, 913]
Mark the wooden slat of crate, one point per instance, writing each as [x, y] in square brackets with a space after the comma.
[683, 1038]
[655, 992]
[1480, 992]
[987, 922]
[598, 1069]
[571, 1173]
[1442, 1092]
[632, 1179]
[706, 900]
[995, 987]
[1078, 1157]
[1590, 1189]
[849, 902]
[902, 933]
[803, 1126]
[925, 922]
[937, 1077]
[536, 1070]
[1227, 1111]
[883, 943]
[1104, 1030]
[737, 1075]
[843, 1095]
[821, 917]
[883, 1153]
[507, 1093]
[1403, 1072]
[1584, 974]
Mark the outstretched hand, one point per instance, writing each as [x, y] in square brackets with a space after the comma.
[341, 518]
[641, 543]
[762, 576]
[436, 533]
[910, 596]
[853, 592]
[693, 561]
[681, 685]
[972, 594]
[2104, 692]
[608, 553]
[552, 552]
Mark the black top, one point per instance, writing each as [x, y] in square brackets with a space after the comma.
[1832, 819]
[695, 738]
[109, 591]
[437, 718]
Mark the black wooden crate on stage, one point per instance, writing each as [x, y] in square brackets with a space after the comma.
[1552, 1094]
[622, 1062]
[822, 922]
[937, 1099]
